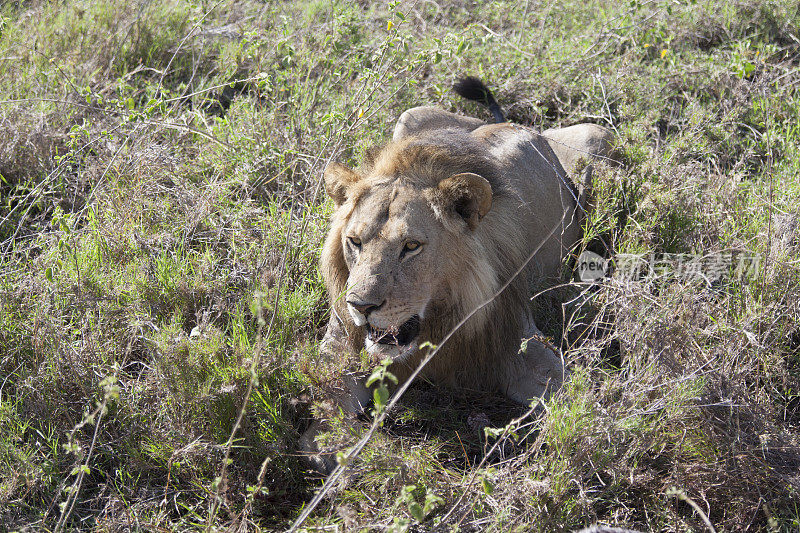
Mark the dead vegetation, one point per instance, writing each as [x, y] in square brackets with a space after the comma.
[160, 220]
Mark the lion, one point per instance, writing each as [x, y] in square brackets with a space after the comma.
[442, 232]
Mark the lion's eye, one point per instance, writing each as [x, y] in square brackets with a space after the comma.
[409, 247]
[355, 241]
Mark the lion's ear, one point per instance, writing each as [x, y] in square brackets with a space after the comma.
[338, 179]
[468, 195]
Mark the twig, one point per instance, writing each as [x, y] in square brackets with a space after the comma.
[180, 45]
[678, 493]
[69, 505]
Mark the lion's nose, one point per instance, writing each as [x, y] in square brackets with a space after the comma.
[365, 308]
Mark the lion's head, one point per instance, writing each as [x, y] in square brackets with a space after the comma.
[405, 243]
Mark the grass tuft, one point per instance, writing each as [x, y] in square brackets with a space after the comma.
[161, 217]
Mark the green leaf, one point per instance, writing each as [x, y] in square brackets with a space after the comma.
[416, 511]
[488, 486]
[380, 395]
[81, 468]
[431, 502]
[375, 376]
[493, 432]
[523, 347]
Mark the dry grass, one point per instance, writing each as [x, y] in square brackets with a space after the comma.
[160, 220]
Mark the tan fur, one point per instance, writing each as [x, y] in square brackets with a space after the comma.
[480, 198]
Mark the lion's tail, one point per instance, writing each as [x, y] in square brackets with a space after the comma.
[472, 88]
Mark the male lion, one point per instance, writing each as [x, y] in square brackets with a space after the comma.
[437, 223]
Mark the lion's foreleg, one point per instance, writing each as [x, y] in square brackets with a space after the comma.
[348, 397]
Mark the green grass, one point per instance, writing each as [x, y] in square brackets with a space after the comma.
[160, 225]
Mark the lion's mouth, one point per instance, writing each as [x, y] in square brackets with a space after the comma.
[401, 336]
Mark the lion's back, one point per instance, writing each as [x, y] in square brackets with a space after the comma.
[541, 199]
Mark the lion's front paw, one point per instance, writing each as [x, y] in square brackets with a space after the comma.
[537, 373]
[321, 460]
